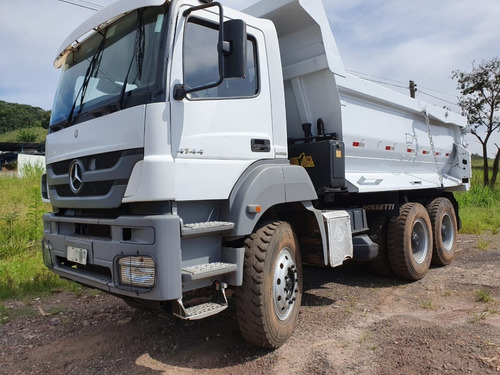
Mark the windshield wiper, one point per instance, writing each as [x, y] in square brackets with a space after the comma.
[138, 56]
[92, 70]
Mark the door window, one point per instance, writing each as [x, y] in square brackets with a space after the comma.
[201, 64]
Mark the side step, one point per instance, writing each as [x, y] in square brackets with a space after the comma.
[218, 304]
[198, 229]
[207, 270]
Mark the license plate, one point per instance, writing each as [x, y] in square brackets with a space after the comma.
[76, 254]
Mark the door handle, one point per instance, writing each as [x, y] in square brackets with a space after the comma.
[261, 145]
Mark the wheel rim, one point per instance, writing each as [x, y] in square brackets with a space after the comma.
[419, 241]
[447, 232]
[285, 284]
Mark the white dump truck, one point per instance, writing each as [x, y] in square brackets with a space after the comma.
[195, 149]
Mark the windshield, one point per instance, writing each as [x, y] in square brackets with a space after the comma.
[118, 67]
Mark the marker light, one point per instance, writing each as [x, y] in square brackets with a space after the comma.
[47, 253]
[254, 208]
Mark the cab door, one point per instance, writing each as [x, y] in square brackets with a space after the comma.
[219, 132]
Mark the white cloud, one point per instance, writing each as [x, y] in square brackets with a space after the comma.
[30, 34]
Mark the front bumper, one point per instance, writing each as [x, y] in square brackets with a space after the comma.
[100, 244]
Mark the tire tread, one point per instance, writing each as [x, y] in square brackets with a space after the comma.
[433, 208]
[395, 242]
[249, 308]
[397, 250]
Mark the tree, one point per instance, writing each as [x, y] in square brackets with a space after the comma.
[480, 100]
[15, 116]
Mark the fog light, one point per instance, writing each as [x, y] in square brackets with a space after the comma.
[47, 253]
[138, 271]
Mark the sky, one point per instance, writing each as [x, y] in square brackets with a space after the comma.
[390, 41]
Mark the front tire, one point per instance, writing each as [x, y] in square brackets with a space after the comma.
[444, 226]
[409, 242]
[268, 302]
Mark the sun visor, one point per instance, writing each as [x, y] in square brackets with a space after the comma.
[99, 21]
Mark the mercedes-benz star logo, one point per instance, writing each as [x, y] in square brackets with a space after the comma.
[76, 176]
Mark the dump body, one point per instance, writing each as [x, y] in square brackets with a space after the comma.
[394, 142]
[388, 143]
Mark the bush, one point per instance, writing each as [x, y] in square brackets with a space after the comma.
[21, 210]
[21, 228]
[478, 196]
[27, 136]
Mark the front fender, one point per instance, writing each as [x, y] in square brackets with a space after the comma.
[267, 184]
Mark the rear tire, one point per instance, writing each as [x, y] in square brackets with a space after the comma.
[444, 230]
[409, 242]
[268, 302]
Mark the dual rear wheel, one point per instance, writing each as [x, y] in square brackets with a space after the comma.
[416, 238]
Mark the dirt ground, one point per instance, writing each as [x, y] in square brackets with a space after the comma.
[351, 322]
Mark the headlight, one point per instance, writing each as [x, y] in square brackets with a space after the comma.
[137, 271]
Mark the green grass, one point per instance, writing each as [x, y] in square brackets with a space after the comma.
[25, 274]
[483, 296]
[21, 210]
[7, 314]
[12, 136]
[427, 304]
[21, 267]
[480, 206]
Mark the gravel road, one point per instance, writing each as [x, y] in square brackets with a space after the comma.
[351, 322]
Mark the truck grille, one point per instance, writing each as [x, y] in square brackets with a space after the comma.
[97, 188]
[100, 161]
[104, 179]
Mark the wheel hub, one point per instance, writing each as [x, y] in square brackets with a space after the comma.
[444, 231]
[447, 232]
[415, 240]
[285, 284]
[419, 241]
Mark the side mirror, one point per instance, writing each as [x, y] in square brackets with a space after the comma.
[234, 61]
[232, 50]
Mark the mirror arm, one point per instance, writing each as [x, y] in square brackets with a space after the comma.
[187, 12]
[225, 47]
[180, 90]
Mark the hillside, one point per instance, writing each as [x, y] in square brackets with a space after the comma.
[15, 116]
[35, 134]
